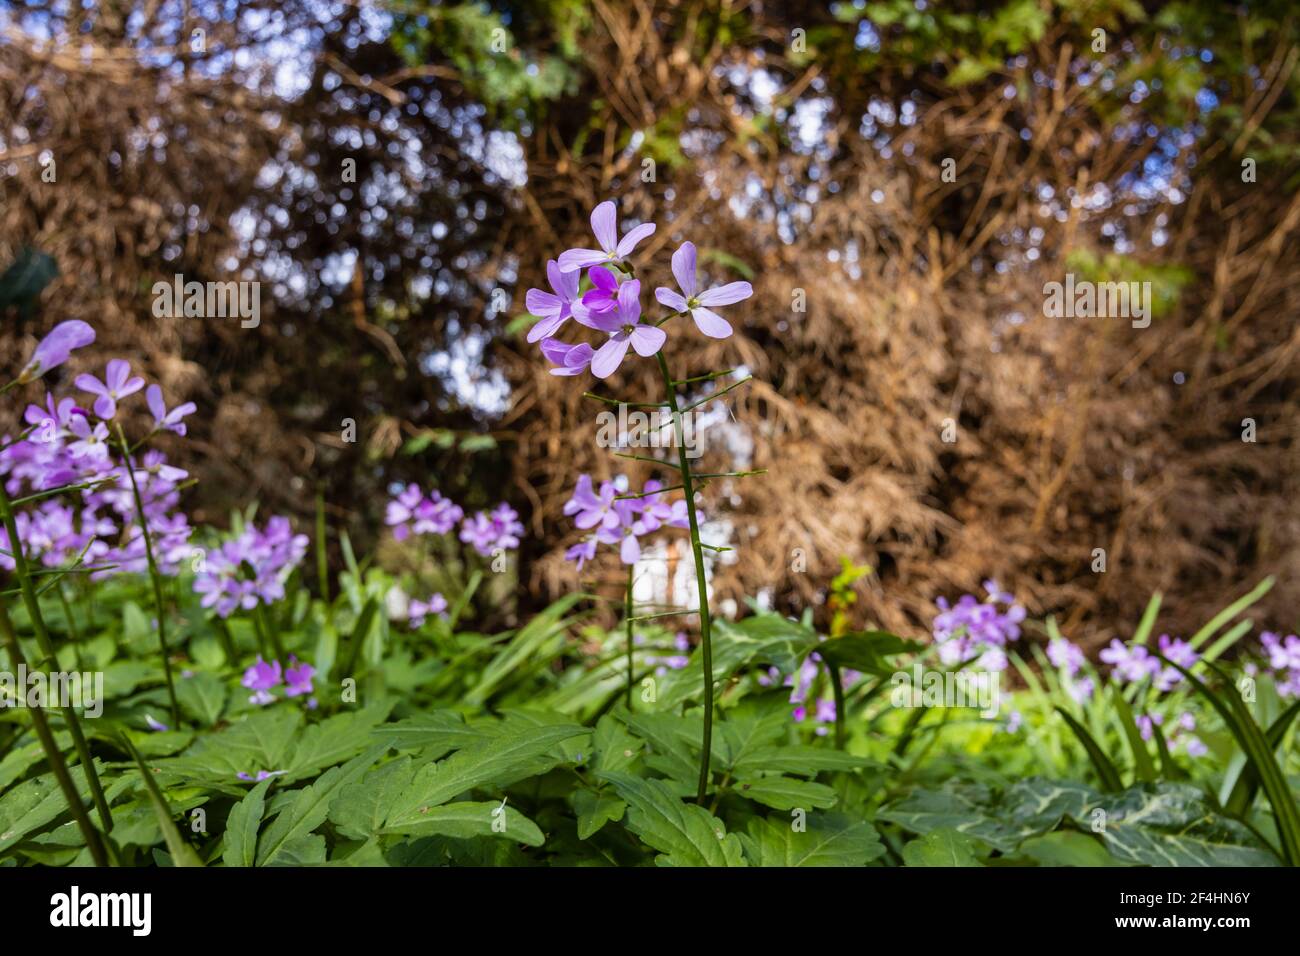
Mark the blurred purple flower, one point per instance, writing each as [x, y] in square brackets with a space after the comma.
[117, 385]
[53, 350]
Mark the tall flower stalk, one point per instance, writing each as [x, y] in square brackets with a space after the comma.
[154, 576]
[612, 307]
[58, 766]
[22, 571]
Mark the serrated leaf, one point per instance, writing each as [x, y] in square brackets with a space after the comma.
[828, 839]
[501, 761]
[202, 696]
[942, 847]
[785, 793]
[683, 834]
[309, 809]
[466, 820]
[362, 806]
[242, 825]
[594, 810]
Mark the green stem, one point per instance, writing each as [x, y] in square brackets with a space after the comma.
[627, 618]
[58, 766]
[837, 691]
[322, 556]
[33, 605]
[73, 636]
[273, 632]
[154, 576]
[702, 584]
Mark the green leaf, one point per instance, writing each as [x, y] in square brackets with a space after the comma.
[1243, 792]
[785, 793]
[683, 834]
[594, 810]
[182, 853]
[828, 839]
[1110, 778]
[282, 841]
[501, 761]
[464, 821]
[615, 748]
[1259, 755]
[242, 824]
[362, 806]
[527, 643]
[1067, 848]
[866, 651]
[798, 759]
[942, 847]
[1145, 769]
[202, 696]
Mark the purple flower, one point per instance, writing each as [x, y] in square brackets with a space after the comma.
[625, 328]
[417, 611]
[436, 515]
[261, 775]
[164, 420]
[1130, 664]
[825, 710]
[553, 309]
[297, 678]
[155, 725]
[53, 350]
[1065, 655]
[486, 533]
[1181, 653]
[571, 359]
[1282, 655]
[691, 299]
[260, 678]
[604, 223]
[582, 552]
[402, 509]
[590, 510]
[251, 568]
[603, 296]
[117, 385]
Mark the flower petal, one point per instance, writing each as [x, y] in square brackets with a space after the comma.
[609, 356]
[634, 236]
[711, 324]
[670, 299]
[604, 223]
[684, 268]
[571, 260]
[726, 294]
[547, 326]
[647, 340]
[630, 550]
[629, 302]
[153, 397]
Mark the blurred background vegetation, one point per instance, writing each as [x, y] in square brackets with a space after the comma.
[802, 146]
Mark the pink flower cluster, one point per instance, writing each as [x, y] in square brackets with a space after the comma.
[412, 512]
[974, 630]
[616, 520]
[68, 446]
[612, 304]
[251, 568]
[262, 677]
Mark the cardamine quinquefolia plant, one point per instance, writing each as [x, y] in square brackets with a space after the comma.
[611, 307]
[69, 506]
